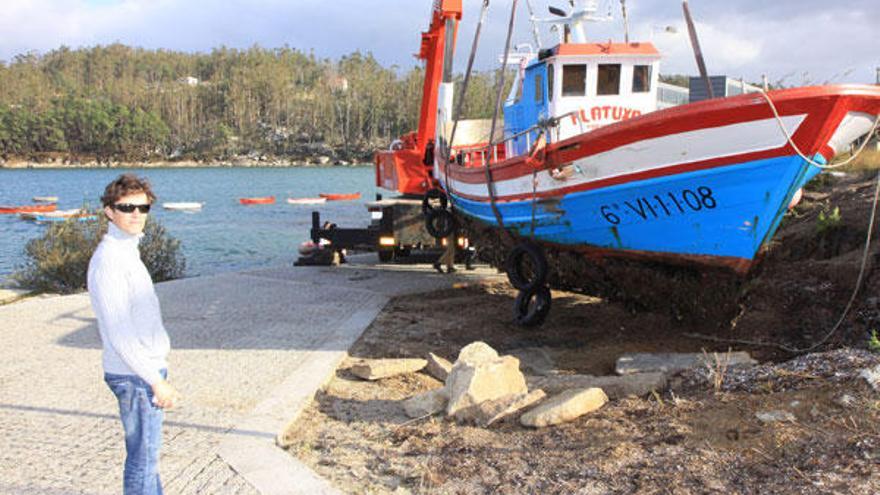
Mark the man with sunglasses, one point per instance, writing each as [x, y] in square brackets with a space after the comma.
[134, 339]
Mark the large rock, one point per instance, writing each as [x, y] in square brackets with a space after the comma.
[480, 375]
[567, 406]
[438, 367]
[374, 369]
[615, 387]
[426, 404]
[672, 362]
[499, 409]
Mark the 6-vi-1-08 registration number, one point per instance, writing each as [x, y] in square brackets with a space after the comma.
[660, 205]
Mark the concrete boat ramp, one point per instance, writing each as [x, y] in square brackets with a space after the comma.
[249, 350]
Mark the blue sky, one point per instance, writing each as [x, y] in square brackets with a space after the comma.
[796, 41]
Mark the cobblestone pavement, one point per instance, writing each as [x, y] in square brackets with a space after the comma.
[235, 338]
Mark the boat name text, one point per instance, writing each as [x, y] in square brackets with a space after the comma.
[604, 113]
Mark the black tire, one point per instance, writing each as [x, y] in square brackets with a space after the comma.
[434, 194]
[385, 256]
[440, 223]
[532, 306]
[526, 266]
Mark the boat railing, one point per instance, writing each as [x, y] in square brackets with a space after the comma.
[476, 155]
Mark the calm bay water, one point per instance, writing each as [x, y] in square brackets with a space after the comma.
[224, 236]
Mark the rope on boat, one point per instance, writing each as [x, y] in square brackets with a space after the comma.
[804, 157]
[490, 186]
[846, 310]
[457, 116]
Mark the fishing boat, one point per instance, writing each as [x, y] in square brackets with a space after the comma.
[306, 201]
[265, 200]
[45, 199]
[183, 206]
[340, 196]
[588, 169]
[41, 208]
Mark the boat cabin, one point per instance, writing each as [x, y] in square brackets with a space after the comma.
[584, 85]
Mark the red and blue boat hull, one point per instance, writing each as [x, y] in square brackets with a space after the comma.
[707, 182]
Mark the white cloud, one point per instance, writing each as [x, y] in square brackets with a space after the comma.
[744, 38]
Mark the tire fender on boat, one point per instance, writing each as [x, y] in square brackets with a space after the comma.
[440, 223]
[514, 266]
[528, 314]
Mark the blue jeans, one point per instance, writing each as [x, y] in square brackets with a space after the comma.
[142, 422]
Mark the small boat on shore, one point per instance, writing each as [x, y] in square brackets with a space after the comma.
[183, 206]
[340, 197]
[43, 208]
[59, 216]
[306, 201]
[266, 200]
[45, 199]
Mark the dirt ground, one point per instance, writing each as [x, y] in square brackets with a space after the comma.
[701, 435]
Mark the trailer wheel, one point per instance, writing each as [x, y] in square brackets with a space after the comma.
[440, 223]
[532, 306]
[526, 266]
[431, 196]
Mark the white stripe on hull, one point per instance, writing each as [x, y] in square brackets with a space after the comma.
[651, 154]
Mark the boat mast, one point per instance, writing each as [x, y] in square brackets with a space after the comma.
[534, 21]
[698, 54]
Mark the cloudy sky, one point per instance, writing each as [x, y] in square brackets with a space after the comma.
[793, 41]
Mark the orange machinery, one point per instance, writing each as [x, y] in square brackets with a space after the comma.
[403, 168]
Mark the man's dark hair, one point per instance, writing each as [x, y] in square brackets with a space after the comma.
[124, 185]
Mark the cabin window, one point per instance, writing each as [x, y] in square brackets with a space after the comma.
[641, 78]
[574, 78]
[539, 88]
[609, 79]
[550, 82]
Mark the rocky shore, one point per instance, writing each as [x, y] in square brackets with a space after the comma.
[320, 161]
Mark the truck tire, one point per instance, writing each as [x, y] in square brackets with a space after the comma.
[431, 195]
[527, 313]
[386, 255]
[440, 223]
[526, 266]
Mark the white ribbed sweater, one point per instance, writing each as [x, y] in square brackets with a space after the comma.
[125, 303]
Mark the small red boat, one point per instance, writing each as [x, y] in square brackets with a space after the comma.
[266, 200]
[340, 197]
[44, 208]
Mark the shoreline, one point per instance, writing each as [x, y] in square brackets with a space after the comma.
[234, 163]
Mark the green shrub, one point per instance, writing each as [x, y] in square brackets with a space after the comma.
[874, 342]
[830, 222]
[58, 261]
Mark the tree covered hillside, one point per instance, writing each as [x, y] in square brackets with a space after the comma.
[122, 103]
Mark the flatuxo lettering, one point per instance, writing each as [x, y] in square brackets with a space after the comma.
[604, 113]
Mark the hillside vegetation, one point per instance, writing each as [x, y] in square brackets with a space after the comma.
[121, 103]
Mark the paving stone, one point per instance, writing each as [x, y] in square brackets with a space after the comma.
[237, 339]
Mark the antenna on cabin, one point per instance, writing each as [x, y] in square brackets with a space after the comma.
[625, 21]
[582, 11]
[533, 20]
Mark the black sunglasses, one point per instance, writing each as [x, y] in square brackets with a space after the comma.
[129, 208]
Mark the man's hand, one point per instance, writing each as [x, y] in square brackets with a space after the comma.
[166, 396]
